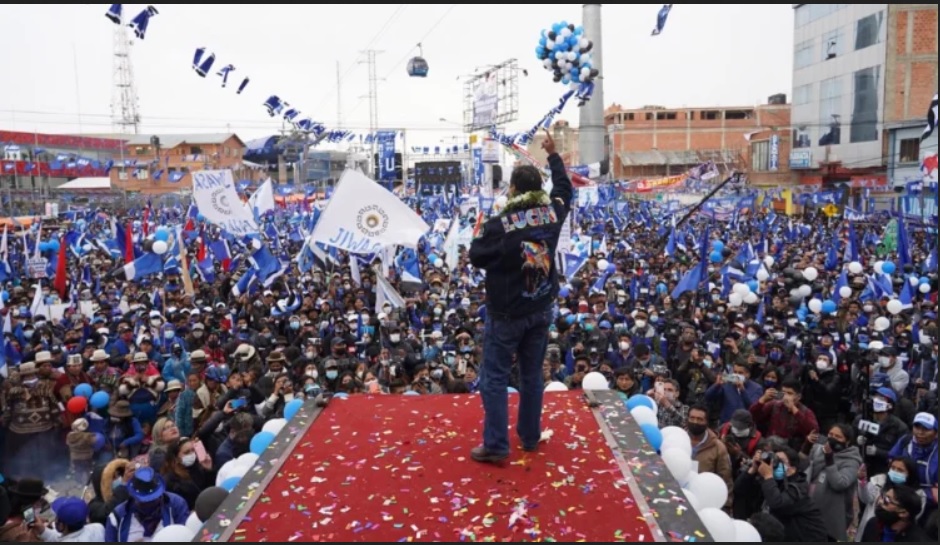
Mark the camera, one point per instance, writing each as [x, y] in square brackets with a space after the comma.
[767, 458]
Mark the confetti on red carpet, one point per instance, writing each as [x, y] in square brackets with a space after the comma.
[398, 468]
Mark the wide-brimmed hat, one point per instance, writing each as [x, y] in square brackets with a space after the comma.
[100, 355]
[141, 357]
[28, 488]
[43, 357]
[146, 486]
[121, 409]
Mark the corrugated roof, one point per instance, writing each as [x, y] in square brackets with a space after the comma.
[168, 141]
[684, 157]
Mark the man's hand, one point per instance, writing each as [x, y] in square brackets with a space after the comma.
[765, 471]
[549, 144]
[769, 395]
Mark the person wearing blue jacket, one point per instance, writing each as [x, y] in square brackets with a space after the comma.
[731, 396]
[149, 509]
[921, 446]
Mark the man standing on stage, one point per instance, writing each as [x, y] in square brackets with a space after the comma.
[517, 249]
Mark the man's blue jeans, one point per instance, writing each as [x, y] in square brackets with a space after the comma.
[527, 338]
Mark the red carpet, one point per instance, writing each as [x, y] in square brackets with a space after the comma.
[398, 469]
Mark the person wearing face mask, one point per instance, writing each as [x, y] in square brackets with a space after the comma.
[734, 392]
[125, 434]
[741, 437]
[185, 474]
[666, 395]
[71, 523]
[149, 509]
[822, 389]
[774, 479]
[901, 472]
[890, 429]
[330, 375]
[708, 451]
[888, 364]
[895, 518]
[30, 413]
[196, 340]
[921, 446]
[834, 465]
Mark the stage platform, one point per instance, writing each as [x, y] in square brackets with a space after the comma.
[398, 468]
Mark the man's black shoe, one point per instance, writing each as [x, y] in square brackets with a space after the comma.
[484, 456]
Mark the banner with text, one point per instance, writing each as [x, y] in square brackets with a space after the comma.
[485, 101]
[217, 200]
[386, 145]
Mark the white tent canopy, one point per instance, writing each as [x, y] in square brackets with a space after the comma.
[87, 184]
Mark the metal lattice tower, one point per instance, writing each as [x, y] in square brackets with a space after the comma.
[373, 90]
[125, 107]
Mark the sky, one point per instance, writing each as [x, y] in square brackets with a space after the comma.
[58, 62]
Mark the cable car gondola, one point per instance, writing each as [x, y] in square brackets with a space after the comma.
[417, 66]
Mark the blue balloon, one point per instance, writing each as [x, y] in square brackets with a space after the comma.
[200, 217]
[43, 247]
[563, 292]
[100, 442]
[755, 287]
[5, 295]
[512, 390]
[653, 435]
[261, 441]
[829, 307]
[579, 30]
[640, 401]
[230, 483]
[889, 267]
[566, 80]
[570, 319]
[292, 408]
[716, 256]
[84, 390]
[100, 400]
[718, 245]
[53, 245]
[923, 280]
[162, 234]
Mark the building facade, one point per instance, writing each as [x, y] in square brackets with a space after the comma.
[157, 164]
[657, 141]
[911, 83]
[30, 161]
[839, 82]
[566, 142]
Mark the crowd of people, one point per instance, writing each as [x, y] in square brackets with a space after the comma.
[822, 424]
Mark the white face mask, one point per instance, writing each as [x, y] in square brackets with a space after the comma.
[621, 300]
[884, 361]
[312, 374]
[553, 334]
[624, 346]
[868, 308]
[189, 460]
[752, 337]
[822, 365]
[394, 338]
[641, 324]
[793, 322]
[780, 335]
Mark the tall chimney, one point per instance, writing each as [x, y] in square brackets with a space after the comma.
[593, 132]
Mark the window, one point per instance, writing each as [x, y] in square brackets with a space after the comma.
[802, 94]
[830, 111]
[804, 55]
[709, 115]
[760, 156]
[666, 116]
[141, 174]
[865, 108]
[140, 150]
[195, 150]
[868, 30]
[808, 13]
[832, 44]
[910, 151]
[738, 114]
[801, 138]
[631, 117]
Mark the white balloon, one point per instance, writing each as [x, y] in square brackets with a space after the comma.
[924, 288]
[193, 523]
[711, 490]
[876, 345]
[566, 32]
[595, 381]
[845, 292]
[175, 533]
[751, 298]
[735, 300]
[248, 460]
[547, 63]
[805, 290]
[676, 438]
[878, 267]
[584, 42]
[560, 40]
[855, 267]
[226, 471]
[586, 59]
[602, 265]
[572, 56]
[644, 415]
[549, 45]
[693, 499]
[718, 524]
[160, 247]
[914, 281]
[815, 306]
[895, 307]
[274, 426]
[744, 532]
[742, 289]
[810, 274]
[762, 275]
[678, 461]
[556, 387]
[769, 262]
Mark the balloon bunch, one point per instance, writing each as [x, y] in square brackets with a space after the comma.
[566, 52]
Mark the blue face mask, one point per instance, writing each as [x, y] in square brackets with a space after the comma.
[368, 330]
[169, 334]
[780, 472]
[589, 327]
[897, 477]
[331, 375]
[295, 325]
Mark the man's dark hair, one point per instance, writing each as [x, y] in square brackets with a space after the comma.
[526, 178]
[908, 499]
[700, 408]
[793, 384]
[770, 529]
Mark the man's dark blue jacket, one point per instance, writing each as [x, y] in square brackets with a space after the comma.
[517, 248]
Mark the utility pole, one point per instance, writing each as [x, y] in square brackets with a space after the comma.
[339, 98]
[373, 102]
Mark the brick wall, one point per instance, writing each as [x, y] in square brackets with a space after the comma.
[911, 64]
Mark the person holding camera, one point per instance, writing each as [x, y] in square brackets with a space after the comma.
[774, 480]
[781, 414]
[878, 440]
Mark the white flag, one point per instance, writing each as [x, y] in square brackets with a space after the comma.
[262, 201]
[363, 217]
[217, 199]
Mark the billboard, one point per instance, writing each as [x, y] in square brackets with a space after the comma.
[491, 98]
[433, 176]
